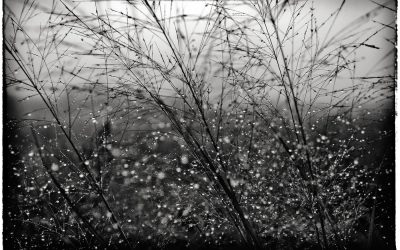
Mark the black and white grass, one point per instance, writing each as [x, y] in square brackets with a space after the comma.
[252, 124]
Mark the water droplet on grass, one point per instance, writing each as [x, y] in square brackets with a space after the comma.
[184, 159]
[54, 167]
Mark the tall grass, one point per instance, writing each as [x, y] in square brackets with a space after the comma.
[243, 125]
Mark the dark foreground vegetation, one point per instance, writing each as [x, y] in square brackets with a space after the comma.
[249, 125]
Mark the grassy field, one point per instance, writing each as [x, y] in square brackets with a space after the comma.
[201, 125]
